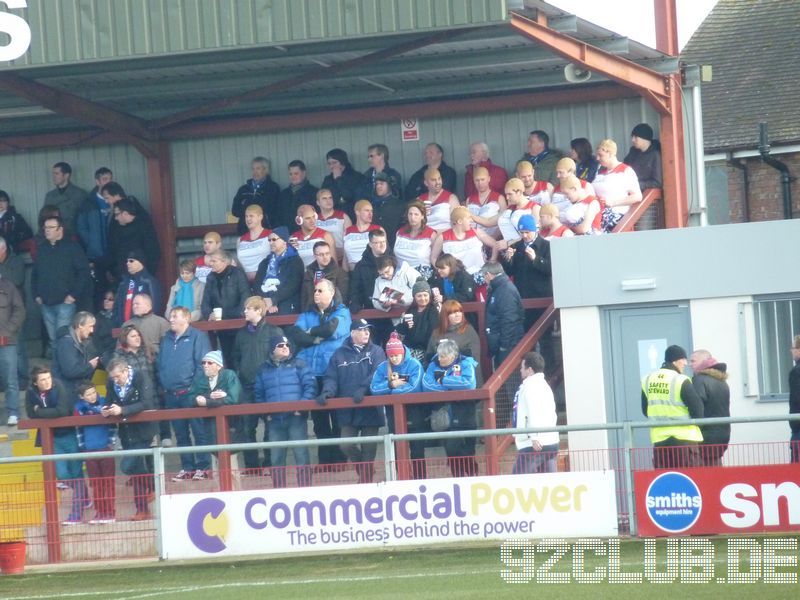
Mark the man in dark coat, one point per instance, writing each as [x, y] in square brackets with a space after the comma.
[709, 381]
[794, 399]
[362, 278]
[260, 190]
[298, 192]
[250, 350]
[528, 262]
[433, 160]
[135, 231]
[226, 288]
[504, 313]
[349, 374]
[59, 278]
[343, 181]
[71, 361]
[138, 280]
[280, 275]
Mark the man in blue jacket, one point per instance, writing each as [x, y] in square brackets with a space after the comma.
[319, 332]
[179, 358]
[349, 374]
[283, 378]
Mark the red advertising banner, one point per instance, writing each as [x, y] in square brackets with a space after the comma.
[715, 500]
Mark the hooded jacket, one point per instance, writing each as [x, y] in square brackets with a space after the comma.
[349, 373]
[318, 355]
[460, 375]
[712, 388]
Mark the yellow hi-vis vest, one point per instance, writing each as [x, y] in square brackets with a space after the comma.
[663, 391]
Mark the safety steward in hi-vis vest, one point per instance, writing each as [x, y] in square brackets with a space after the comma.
[668, 394]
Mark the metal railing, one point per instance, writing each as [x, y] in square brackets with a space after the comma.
[395, 466]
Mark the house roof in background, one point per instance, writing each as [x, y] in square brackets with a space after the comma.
[754, 50]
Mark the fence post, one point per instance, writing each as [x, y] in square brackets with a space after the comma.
[402, 455]
[628, 462]
[158, 489]
[50, 498]
[224, 456]
[388, 457]
[490, 446]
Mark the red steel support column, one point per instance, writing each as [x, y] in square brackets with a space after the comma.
[401, 453]
[673, 159]
[666, 17]
[224, 456]
[162, 207]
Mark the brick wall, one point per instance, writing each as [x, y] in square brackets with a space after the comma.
[766, 194]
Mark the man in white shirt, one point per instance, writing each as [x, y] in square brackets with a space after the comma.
[534, 406]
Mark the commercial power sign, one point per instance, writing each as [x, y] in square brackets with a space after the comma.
[713, 500]
[388, 514]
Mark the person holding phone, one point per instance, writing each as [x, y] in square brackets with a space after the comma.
[72, 362]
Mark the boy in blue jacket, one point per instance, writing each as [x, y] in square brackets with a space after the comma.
[97, 438]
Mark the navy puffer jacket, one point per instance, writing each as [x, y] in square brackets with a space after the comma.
[284, 381]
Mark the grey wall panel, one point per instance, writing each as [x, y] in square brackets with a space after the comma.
[26, 175]
[689, 263]
[66, 31]
[208, 172]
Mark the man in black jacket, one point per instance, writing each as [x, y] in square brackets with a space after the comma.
[362, 278]
[250, 349]
[433, 160]
[134, 232]
[709, 381]
[794, 399]
[298, 192]
[504, 314]
[280, 275]
[71, 361]
[60, 277]
[528, 262]
[226, 288]
[261, 190]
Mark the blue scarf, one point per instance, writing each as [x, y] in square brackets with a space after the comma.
[122, 390]
[185, 294]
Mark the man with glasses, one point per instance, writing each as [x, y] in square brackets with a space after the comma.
[60, 276]
[280, 275]
[362, 279]
[324, 266]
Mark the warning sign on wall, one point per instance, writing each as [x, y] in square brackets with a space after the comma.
[410, 130]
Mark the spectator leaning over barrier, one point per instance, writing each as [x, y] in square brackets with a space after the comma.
[72, 363]
[534, 406]
[401, 373]
[794, 400]
[47, 398]
[669, 394]
[319, 332]
[179, 357]
[709, 378]
[324, 266]
[453, 325]
[129, 394]
[12, 316]
[225, 292]
[348, 375]
[450, 370]
[284, 378]
[250, 350]
[215, 386]
[504, 313]
[451, 281]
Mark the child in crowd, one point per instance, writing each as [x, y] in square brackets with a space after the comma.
[187, 291]
[97, 438]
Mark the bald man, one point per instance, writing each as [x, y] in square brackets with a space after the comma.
[309, 234]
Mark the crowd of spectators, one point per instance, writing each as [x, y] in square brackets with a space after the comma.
[361, 241]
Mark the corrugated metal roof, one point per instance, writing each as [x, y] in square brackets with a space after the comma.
[489, 59]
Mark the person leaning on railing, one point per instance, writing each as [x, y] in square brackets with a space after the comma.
[450, 370]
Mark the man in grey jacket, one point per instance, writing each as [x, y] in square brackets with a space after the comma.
[12, 316]
[66, 196]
